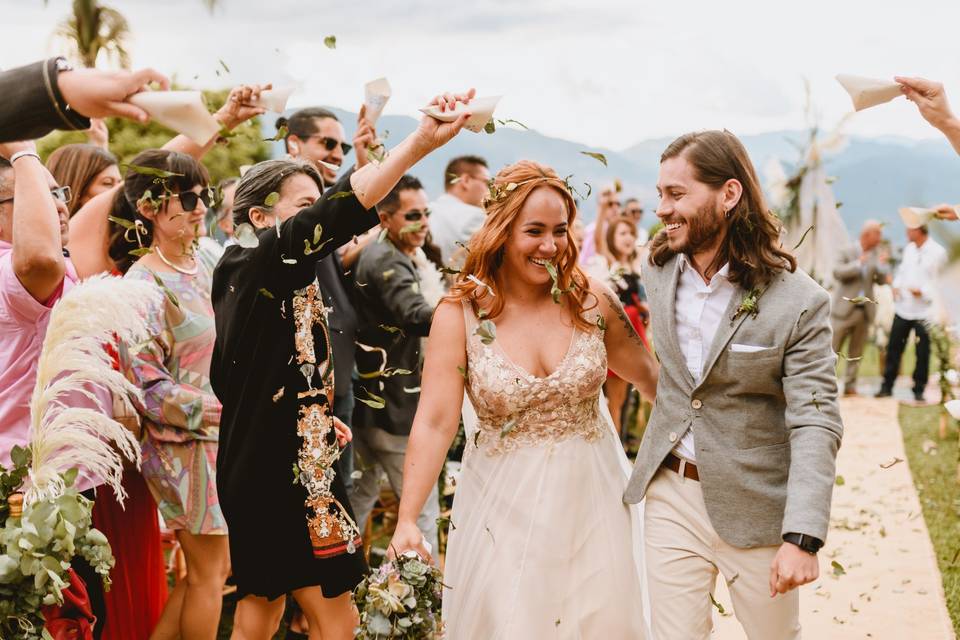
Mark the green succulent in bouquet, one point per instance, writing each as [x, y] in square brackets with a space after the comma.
[400, 599]
[37, 548]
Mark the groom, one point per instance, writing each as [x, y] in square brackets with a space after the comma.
[738, 461]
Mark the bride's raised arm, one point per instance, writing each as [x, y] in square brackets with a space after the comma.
[627, 355]
[435, 424]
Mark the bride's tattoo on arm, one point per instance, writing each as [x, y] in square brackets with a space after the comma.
[618, 308]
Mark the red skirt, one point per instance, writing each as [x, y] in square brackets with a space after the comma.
[139, 591]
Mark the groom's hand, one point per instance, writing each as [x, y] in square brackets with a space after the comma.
[792, 567]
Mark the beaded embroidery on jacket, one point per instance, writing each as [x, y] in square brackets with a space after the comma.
[332, 530]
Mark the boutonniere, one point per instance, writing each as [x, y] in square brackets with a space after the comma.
[749, 305]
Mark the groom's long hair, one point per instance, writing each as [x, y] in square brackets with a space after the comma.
[752, 244]
[509, 190]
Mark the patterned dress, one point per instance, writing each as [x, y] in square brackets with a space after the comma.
[181, 415]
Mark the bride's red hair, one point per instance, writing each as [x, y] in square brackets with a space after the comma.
[509, 191]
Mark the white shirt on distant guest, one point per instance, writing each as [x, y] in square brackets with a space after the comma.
[452, 220]
[699, 309]
[918, 269]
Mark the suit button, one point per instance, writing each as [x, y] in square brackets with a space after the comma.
[673, 436]
[696, 404]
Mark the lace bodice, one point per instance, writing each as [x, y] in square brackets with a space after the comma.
[515, 408]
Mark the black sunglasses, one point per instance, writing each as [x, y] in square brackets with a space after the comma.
[188, 199]
[416, 215]
[63, 194]
[331, 143]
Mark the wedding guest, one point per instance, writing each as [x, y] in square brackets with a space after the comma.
[272, 369]
[618, 267]
[180, 414]
[51, 94]
[398, 290]
[90, 228]
[913, 292]
[315, 134]
[34, 275]
[859, 267]
[608, 209]
[633, 209]
[458, 213]
[931, 100]
[87, 169]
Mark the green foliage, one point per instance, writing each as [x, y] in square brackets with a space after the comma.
[36, 551]
[128, 138]
[401, 599]
[935, 479]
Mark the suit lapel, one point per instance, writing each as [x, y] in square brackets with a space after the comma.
[725, 331]
[670, 310]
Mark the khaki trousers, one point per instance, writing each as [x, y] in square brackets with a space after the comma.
[856, 326]
[684, 556]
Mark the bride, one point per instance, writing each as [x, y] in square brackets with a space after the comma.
[541, 544]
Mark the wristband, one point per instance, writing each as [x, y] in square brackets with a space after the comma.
[20, 154]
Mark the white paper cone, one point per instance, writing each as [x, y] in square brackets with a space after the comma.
[275, 99]
[376, 94]
[953, 408]
[914, 217]
[182, 111]
[868, 92]
[481, 108]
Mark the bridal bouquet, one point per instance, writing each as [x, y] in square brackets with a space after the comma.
[37, 547]
[400, 599]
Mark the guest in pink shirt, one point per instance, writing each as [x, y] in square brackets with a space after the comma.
[34, 274]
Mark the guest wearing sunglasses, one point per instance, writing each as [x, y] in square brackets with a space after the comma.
[180, 413]
[316, 135]
[397, 293]
[34, 274]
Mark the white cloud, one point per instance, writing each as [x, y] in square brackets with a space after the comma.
[607, 74]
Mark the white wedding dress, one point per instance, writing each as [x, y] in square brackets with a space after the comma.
[541, 544]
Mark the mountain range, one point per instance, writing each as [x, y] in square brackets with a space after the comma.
[874, 176]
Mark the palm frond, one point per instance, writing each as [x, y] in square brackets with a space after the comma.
[74, 364]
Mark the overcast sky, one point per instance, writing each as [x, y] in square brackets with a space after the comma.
[606, 73]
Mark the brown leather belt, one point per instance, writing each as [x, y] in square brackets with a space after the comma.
[674, 463]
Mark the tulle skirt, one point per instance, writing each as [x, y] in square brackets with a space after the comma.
[542, 545]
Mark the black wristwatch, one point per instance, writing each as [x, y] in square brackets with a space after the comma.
[807, 543]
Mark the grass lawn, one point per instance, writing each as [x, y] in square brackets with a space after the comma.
[935, 478]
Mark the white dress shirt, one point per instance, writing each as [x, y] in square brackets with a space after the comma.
[699, 309]
[918, 270]
[452, 220]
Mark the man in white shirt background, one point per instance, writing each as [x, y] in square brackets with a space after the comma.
[913, 291]
[458, 213]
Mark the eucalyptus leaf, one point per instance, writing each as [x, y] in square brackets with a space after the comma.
[860, 300]
[272, 199]
[265, 293]
[224, 65]
[490, 127]
[486, 331]
[280, 135]
[372, 400]
[512, 121]
[340, 194]
[148, 171]
[803, 237]
[140, 252]
[287, 260]
[382, 236]
[330, 42]
[838, 569]
[413, 227]
[599, 157]
[386, 274]
[126, 224]
[245, 236]
[508, 427]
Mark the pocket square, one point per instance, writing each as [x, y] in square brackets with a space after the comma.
[747, 348]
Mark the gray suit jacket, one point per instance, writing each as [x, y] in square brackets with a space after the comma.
[854, 279]
[767, 424]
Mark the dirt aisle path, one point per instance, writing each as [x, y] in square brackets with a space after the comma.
[891, 588]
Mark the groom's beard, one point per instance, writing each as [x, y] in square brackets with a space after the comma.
[704, 230]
